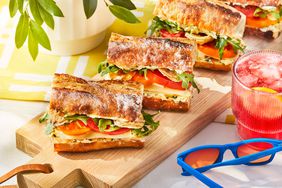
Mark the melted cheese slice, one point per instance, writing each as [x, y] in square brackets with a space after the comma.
[92, 135]
[201, 57]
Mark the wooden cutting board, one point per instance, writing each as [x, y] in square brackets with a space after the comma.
[124, 167]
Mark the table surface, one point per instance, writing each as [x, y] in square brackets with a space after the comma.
[14, 114]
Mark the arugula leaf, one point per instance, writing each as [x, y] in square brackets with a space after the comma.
[260, 13]
[236, 44]
[49, 128]
[105, 68]
[275, 15]
[149, 127]
[103, 124]
[43, 118]
[144, 72]
[220, 44]
[82, 118]
[123, 14]
[187, 78]
[158, 24]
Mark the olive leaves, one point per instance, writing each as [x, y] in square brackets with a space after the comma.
[35, 13]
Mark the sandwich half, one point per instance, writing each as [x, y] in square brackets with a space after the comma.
[216, 27]
[88, 115]
[163, 66]
[264, 17]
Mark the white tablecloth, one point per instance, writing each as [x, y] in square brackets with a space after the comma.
[14, 114]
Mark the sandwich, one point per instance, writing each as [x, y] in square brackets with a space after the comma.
[216, 27]
[163, 66]
[264, 17]
[93, 115]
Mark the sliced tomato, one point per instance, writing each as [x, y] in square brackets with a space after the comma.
[253, 21]
[260, 22]
[92, 125]
[167, 34]
[157, 77]
[141, 79]
[117, 132]
[74, 128]
[248, 10]
[210, 50]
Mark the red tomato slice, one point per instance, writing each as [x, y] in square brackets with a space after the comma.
[141, 79]
[74, 128]
[248, 10]
[210, 50]
[91, 123]
[116, 132]
[167, 34]
[260, 22]
[157, 77]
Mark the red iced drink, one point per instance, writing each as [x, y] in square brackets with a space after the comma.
[257, 94]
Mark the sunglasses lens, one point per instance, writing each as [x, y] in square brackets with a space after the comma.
[201, 158]
[252, 148]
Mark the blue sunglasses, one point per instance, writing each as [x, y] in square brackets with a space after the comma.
[251, 152]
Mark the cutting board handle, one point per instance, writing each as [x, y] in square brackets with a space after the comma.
[29, 168]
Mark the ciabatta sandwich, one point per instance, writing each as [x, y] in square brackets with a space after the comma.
[264, 17]
[216, 27]
[88, 115]
[164, 66]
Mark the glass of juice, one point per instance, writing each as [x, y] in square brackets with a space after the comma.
[257, 94]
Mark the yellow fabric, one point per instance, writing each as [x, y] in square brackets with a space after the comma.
[18, 62]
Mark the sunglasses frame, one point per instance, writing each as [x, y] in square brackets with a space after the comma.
[188, 170]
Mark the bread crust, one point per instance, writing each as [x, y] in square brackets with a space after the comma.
[98, 145]
[205, 14]
[131, 53]
[165, 105]
[213, 66]
[117, 99]
[257, 32]
[258, 3]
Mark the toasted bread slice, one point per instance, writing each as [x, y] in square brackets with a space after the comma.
[210, 17]
[95, 144]
[258, 3]
[135, 53]
[110, 99]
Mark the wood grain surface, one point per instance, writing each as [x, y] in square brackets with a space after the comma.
[124, 167]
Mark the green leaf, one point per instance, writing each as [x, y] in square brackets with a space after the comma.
[49, 128]
[43, 118]
[35, 11]
[47, 17]
[275, 15]
[40, 35]
[13, 7]
[33, 47]
[236, 44]
[220, 44]
[144, 72]
[89, 7]
[104, 68]
[22, 30]
[260, 13]
[82, 118]
[103, 124]
[187, 78]
[123, 14]
[158, 24]
[124, 3]
[149, 126]
[51, 7]
[20, 5]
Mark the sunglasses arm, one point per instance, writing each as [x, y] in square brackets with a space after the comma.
[245, 159]
[198, 175]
